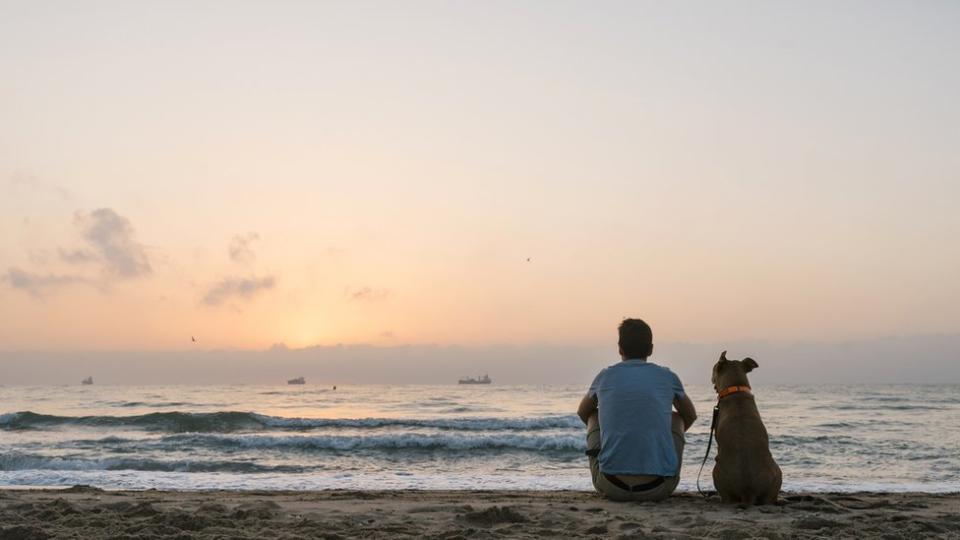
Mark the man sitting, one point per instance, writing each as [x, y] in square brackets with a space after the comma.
[634, 439]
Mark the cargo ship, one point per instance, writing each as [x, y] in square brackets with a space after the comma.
[480, 380]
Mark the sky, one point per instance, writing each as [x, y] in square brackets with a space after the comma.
[476, 174]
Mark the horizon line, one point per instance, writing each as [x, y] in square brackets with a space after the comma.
[283, 347]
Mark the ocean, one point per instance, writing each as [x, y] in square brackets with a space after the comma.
[366, 437]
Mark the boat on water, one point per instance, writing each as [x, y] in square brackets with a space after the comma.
[298, 380]
[88, 380]
[479, 380]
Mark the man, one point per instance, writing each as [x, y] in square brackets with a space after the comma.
[634, 439]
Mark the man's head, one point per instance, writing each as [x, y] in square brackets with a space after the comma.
[636, 339]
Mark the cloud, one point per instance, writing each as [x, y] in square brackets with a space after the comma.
[112, 238]
[244, 288]
[368, 294]
[35, 284]
[77, 256]
[240, 250]
[39, 257]
[22, 184]
[111, 244]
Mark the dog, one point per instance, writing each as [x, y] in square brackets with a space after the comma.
[744, 472]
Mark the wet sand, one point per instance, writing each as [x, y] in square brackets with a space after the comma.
[83, 512]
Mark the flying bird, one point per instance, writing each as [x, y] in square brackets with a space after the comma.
[193, 339]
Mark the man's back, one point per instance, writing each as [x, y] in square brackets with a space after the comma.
[634, 439]
[634, 399]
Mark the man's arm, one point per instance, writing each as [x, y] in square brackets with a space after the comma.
[686, 409]
[588, 406]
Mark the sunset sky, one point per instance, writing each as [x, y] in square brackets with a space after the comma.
[476, 173]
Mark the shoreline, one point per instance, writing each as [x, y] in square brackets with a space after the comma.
[87, 512]
[680, 492]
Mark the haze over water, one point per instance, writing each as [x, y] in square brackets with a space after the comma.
[837, 438]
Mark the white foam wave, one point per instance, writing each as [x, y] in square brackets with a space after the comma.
[26, 462]
[465, 424]
[442, 441]
[389, 481]
[228, 421]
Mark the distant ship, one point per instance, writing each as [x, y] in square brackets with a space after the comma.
[470, 380]
[88, 380]
[298, 380]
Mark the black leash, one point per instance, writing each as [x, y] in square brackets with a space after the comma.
[713, 426]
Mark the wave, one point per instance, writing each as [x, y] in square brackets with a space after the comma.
[27, 462]
[872, 423]
[875, 407]
[339, 443]
[159, 404]
[465, 424]
[234, 421]
[167, 421]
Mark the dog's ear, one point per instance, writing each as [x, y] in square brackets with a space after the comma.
[723, 356]
[749, 364]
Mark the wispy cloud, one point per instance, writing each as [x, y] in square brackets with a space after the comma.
[77, 256]
[111, 246]
[39, 257]
[242, 288]
[112, 238]
[36, 284]
[368, 294]
[240, 250]
[22, 184]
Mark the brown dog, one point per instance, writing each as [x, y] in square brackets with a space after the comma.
[744, 472]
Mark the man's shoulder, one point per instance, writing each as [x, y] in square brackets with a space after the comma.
[628, 365]
[633, 365]
[661, 367]
[601, 373]
[669, 375]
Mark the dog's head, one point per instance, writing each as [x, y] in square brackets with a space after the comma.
[731, 372]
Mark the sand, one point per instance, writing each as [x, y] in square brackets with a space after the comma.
[83, 512]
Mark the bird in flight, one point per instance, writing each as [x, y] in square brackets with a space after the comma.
[193, 339]
[528, 259]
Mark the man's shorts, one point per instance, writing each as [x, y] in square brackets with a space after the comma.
[615, 493]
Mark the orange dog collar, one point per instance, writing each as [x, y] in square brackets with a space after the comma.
[732, 390]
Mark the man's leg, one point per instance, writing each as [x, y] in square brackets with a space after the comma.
[593, 447]
[676, 429]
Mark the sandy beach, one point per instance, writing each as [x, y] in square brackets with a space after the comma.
[83, 512]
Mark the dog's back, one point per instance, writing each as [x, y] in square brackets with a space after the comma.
[745, 471]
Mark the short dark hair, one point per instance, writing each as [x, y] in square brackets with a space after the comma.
[636, 339]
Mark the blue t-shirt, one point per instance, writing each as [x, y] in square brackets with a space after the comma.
[634, 399]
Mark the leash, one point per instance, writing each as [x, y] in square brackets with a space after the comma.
[713, 426]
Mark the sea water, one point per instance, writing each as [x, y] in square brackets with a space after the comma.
[825, 438]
